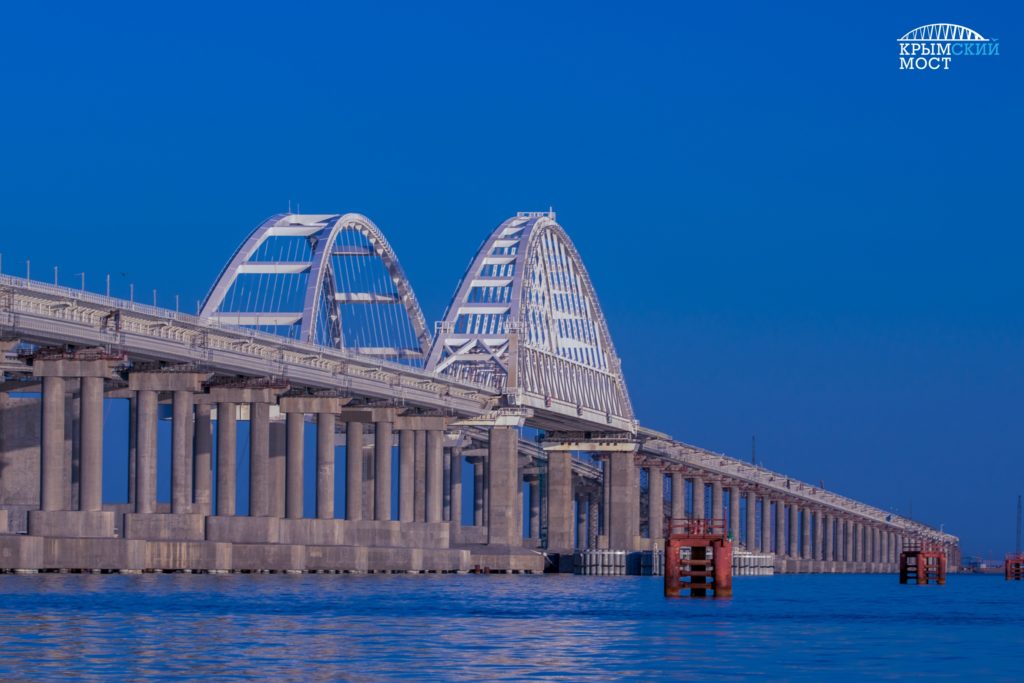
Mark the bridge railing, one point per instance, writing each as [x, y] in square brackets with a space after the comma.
[203, 325]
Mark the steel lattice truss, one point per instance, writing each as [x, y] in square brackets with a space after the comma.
[525, 318]
[331, 280]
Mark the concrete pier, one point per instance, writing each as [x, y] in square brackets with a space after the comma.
[382, 448]
[559, 501]
[91, 476]
[751, 540]
[581, 522]
[325, 465]
[623, 505]
[145, 466]
[295, 424]
[354, 471]
[766, 525]
[455, 488]
[227, 453]
[805, 535]
[656, 504]
[794, 532]
[780, 527]
[829, 550]
[678, 496]
[698, 498]
[717, 509]
[259, 460]
[734, 514]
[420, 476]
[203, 460]
[434, 475]
[502, 476]
[406, 471]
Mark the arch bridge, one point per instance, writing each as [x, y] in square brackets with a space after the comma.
[313, 327]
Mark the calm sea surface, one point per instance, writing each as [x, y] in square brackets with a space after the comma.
[373, 628]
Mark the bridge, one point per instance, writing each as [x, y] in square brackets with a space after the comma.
[516, 404]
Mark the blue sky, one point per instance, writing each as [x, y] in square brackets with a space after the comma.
[790, 237]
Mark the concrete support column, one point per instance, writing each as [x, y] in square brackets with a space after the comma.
[829, 550]
[848, 533]
[325, 465]
[145, 467]
[446, 496]
[435, 474]
[717, 509]
[503, 487]
[455, 495]
[698, 498]
[533, 482]
[819, 536]
[406, 475]
[766, 525]
[227, 457]
[478, 491]
[354, 470]
[277, 489]
[72, 435]
[369, 482]
[259, 459]
[91, 420]
[794, 531]
[420, 477]
[181, 452]
[780, 527]
[519, 503]
[581, 522]
[592, 520]
[382, 447]
[559, 501]
[606, 496]
[624, 506]
[656, 505]
[678, 496]
[858, 542]
[751, 544]
[734, 514]
[133, 440]
[202, 446]
[805, 535]
[51, 479]
[295, 425]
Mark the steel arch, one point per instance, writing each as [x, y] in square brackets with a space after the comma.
[305, 294]
[526, 319]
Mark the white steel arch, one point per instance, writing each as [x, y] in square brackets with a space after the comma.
[942, 33]
[327, 279]
[526, 320]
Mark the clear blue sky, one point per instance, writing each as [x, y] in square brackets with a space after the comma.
[790, 237]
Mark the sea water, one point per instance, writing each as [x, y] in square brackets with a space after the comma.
[475, 627]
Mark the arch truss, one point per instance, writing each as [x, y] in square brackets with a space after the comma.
[943, 33]
[327, 279]
[526, 320]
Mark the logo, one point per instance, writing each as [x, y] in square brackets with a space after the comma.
[934, 46]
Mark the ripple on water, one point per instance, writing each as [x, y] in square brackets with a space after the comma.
[371, 628]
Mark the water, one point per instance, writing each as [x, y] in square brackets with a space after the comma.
[375, 628]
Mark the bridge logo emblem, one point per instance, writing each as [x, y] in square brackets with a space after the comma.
[934, 46]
